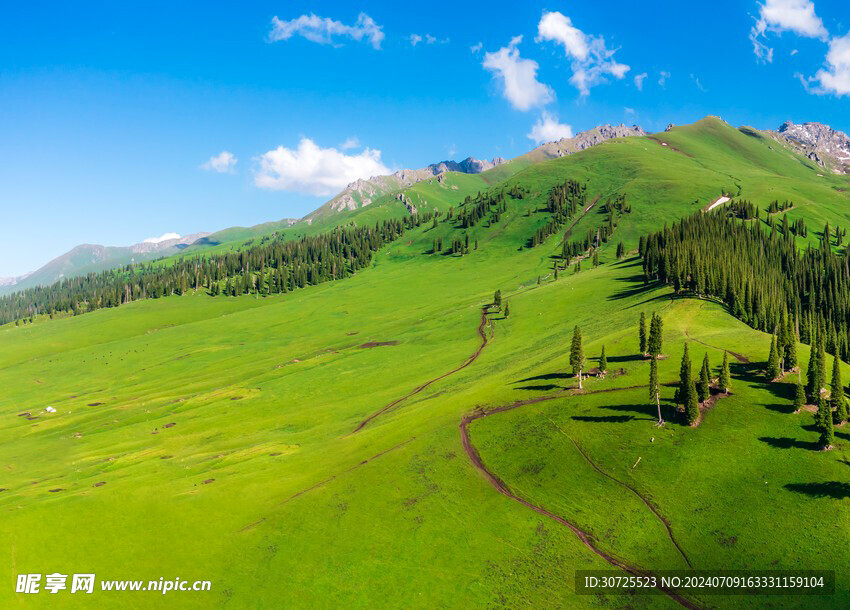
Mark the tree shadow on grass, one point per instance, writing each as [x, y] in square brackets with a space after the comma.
[545, 377]
[786, 408]
[545, 387]
[842, 435]
[631, 358]
[785, 442]
[837, 490]
[607, 419]
[752, 373]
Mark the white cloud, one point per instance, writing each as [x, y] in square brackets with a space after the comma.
[429, 39]
[161, 238]
[779, 16]
[835, 78]
[639, 80]
[518, 77]
[558, 28]
[592, 61]
[662, 77]
[697, 83]
[548, 129]
[323, 29]
[315, 170]
[434, 40]
[476, 48]
[349, 143]
[223, 163]
[629, 110]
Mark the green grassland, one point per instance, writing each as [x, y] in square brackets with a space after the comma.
[262, 487]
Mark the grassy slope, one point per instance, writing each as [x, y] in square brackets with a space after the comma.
[244, 379]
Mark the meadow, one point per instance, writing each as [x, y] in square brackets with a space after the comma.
[214, 438]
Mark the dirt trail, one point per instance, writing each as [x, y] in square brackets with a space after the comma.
[643, 499]
[417, 389]
[739, 357]
[584, 212]
[502, 488]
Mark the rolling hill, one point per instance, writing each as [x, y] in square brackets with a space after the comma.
[393, 439]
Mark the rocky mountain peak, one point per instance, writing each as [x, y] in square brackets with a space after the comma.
[364, 191]
[821, 143]
[585, 139]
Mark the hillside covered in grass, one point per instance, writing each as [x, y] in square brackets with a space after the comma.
[388, 436]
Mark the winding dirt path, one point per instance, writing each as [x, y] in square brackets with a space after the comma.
[739, 357]
[481, 333]
[569, 229]
[503, 489]
[643, 499]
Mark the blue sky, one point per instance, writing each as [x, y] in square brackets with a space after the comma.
[114, 116]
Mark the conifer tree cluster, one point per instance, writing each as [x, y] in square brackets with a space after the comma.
[762, 277]
[563, 201]
[273, 265]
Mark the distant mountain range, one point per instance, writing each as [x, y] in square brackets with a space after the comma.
[825, 146]
[89, 258]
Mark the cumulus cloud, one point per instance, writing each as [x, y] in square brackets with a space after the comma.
[518, 77]
[161, 238]
[223, 163]
[349, 143]
[548, 129]
[639, 80]
[322, 30]
[415, 39]
[779, 16]
[662, 77]
[476, 48]
[314, 170]
[591, 59]
[835, 77]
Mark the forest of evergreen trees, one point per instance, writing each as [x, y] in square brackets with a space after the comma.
[274, 265]
[761, 275]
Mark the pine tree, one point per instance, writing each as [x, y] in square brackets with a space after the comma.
[497, 299]
[654, 344]
[704, 387]
[596, 258]
[773, 371]
[812, 374]
[642, 333]
[577, 355]
[653, 387]
[684, 378]
[724, 381]
[507, 309]
[691, 405]
[836, 397]
[820, 380]
[799, 397]
[621, 250]
[782, 341]
[603, 362]
[823, 419]
[790, 346]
